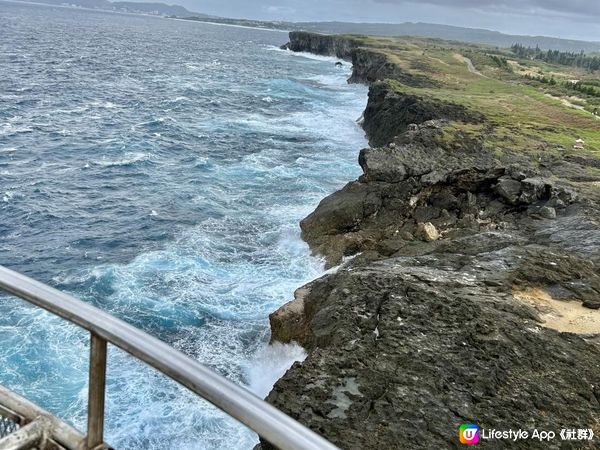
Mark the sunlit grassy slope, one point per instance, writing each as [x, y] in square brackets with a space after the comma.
[523, 114]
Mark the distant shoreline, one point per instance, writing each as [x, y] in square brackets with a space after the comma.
[156, 16]
[226, 24]
[83, 8]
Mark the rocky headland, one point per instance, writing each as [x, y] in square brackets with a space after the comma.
[468, 287]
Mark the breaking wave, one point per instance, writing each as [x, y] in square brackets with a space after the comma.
[173, 202]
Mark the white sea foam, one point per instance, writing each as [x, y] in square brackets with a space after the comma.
[270, 363]
[104, 104]
[11, 129]
[307, 55]
[230, 181]
[130, 158]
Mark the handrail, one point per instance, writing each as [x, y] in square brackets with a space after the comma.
[21, 410]
[273, 425]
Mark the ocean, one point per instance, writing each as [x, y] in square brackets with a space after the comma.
[158, 169]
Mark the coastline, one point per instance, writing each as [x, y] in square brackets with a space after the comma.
[228, 24]
[426, 327]
[229, 254]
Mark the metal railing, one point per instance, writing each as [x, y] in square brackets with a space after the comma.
[271, 424]
[28, 415]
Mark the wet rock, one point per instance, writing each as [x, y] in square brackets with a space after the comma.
[288, 322]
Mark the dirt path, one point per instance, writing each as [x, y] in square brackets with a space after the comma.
[469, 63]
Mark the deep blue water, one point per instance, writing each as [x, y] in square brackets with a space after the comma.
[158, 169]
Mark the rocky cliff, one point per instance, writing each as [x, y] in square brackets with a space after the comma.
[368, 64]
[389, 113]
[473, 295]
[321, 44]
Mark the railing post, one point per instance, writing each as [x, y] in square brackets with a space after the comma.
[96, 389]
[272, 424]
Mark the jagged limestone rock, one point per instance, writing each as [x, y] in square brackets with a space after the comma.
[412, 338]
[427, 232]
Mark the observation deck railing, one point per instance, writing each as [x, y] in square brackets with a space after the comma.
[31, 426]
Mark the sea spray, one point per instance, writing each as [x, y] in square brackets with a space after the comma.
[149, 177]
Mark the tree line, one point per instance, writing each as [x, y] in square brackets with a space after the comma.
[575, 86]
[572, 59]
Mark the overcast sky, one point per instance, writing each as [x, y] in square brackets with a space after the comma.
[577, 19]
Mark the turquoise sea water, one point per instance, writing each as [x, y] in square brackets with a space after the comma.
[158, 169]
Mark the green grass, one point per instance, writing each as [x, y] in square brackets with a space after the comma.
[521, 115]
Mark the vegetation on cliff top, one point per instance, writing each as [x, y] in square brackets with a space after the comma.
[470, 232]
[530, 105]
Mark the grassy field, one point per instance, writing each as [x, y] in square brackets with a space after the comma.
[523, 112]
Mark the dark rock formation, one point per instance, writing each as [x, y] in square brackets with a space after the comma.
[445, 314]
[404, 350]
[415, 180]
[411, 339]
[321, 44]
[370, 65]
[389, 113]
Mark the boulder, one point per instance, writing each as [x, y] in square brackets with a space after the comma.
[427, 232]
[509, 190]
[288, 322]
[534, 189]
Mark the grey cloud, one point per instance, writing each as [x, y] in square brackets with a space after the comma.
[581, 7]
[576, 19]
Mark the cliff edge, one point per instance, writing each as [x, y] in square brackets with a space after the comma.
[473, 291]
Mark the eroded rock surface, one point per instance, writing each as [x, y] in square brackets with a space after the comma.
[405, 349]
[418, 180]
[443, 315]
[389, 113]
[321, 44]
